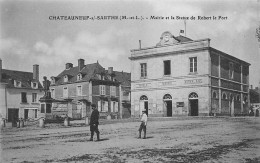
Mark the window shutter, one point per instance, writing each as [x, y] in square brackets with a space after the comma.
[99, 105]
[111, 106]
[106, 106]
[116, 107]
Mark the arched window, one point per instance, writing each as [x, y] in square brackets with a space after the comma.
[231, 96]
[238, 98]
[214, 94]
[167, 97]
[245, 99]
[143, 98]
[224, 96]
[193, 95]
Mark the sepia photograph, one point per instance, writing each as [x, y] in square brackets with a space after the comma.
[111, 81]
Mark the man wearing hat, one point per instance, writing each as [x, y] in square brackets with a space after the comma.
[94, 122]
[143, 124]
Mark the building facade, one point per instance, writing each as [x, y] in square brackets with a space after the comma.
[180, 76]
[76, 88]
[20, 92]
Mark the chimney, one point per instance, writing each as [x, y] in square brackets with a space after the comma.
[36, 72]
[68, 65]
[251, 86]
[140, 44]
[0, 69]
[110, 70]
[80, 64]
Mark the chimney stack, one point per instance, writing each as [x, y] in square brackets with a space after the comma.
[68, 65]
[36, 72]
[81, 64]
[140, 44]
[0, 69]
[110, 70]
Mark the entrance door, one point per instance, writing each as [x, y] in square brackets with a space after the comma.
[169, 108]
[26, 113]
[194, 107]
[146, 107]
[13, 114]
[194, 104]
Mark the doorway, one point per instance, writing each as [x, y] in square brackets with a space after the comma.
[144, 104]
[168, 104]
[13, 114]
[194, 104]
[194, 107]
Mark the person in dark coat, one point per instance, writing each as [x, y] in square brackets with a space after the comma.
[94, 122]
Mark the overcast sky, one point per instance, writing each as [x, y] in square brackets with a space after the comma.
[29, 37]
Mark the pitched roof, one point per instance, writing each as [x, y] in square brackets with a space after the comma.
[88, 72]
[123, 77]
[8, 76]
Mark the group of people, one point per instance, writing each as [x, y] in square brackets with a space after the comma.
[94, 122]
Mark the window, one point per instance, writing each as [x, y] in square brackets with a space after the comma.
[167, 67]
[53, 93]
[42, 108]
[23, 97]
[65, 78]
[231, 70]
[79, 90]
[34, 97]
[113, 90]
[143, 70]
[35, 113]
[102, 89]
[224, 96]
[238, 98]
[193, 64]
[214, 95]
[17, 83]
[48, 108]
[65, 92]
[79, 77]
[34, 85]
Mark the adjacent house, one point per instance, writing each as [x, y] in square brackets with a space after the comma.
[76, 88]
[19, 93]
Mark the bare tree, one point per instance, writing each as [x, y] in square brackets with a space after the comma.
[258, 33]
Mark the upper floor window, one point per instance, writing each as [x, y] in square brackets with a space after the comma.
[231, 70]
[113, 90]
[167, 67]
[52, 80]
[53, 93]
[193, 64]
[34, 97]
[102, 89]
[23, 97]
[65, 92]
[79, 90]
[17, 83]
[66, 78]
[79, 77]
[143, 70]
[34, 85]
[224, 96]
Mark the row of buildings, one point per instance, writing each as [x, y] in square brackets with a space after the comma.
[178, 76]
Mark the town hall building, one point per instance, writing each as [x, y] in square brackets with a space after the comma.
[181, 76]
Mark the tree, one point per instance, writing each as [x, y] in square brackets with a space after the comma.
[258, 33]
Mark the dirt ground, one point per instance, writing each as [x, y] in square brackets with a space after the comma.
[189, 139]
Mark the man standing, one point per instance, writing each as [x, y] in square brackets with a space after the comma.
[143, 124]
[94, 122]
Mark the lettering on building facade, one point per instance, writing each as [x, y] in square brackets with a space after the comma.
[193, 81]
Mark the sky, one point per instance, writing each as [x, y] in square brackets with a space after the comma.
[28, 36]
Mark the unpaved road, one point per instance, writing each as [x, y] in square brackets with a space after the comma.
[198, 139]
